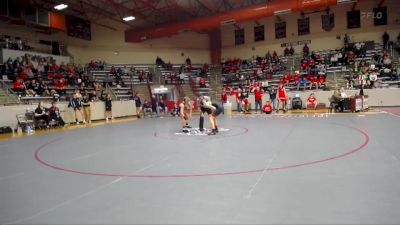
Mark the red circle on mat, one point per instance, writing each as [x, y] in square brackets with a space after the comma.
[342, 155]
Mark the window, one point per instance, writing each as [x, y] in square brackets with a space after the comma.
[353, 19]
[303, 26]
[259, 33]
[280, 29]
[239, 36]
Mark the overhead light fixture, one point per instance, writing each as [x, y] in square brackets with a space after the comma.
[342, 2]
[61, 6]
[282, 11]
[228, 22]
[128, 18]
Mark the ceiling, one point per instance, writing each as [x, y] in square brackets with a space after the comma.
[148, 13]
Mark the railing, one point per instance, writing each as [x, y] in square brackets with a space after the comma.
[9, 92]
[111, 92]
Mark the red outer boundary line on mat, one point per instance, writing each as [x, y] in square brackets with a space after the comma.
[365, 143]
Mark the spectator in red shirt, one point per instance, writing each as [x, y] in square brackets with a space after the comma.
[282, 98]
[286, 52]
[245, 105]
[205, 67]
[314, 80]
[202, 82]
[311, 101]
[60, 86]
[296, 78]
[224, 96]
[286, 78]
[19, 86]
[267, 108]
[231, 91]
[321, 80]
[258, 98]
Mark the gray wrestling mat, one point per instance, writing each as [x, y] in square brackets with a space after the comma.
[283, 169]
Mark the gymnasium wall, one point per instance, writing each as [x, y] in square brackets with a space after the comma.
[320, 39]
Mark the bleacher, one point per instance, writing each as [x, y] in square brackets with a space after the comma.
[172, 76]
[123, 91]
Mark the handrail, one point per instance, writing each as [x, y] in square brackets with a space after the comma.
[9, 91]
[111, 91]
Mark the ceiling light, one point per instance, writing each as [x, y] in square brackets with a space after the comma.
[61, 6]
[282, 11]
[341, 2]
[128, 18]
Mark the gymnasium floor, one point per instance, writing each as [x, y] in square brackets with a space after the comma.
[276, 169]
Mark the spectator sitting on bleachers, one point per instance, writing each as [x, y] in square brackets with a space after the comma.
[291, 50]
[202, 82]
[30, 86]
[302, 82]
[286, 52]
[19, 86]
[60, 86]
[306, 50]
[311, 101]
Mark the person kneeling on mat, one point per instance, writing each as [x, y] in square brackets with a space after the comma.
[267, 108]
[213, 110]
[185, 109]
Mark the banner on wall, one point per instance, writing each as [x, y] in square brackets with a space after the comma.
[328, 22]
[295, 43]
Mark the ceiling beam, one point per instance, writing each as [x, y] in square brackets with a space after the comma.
[207, 5]
[98, 10]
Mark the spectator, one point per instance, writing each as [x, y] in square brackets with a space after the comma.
[202, 82]
[19, 86]
[138, 104]
[41, 113]
[108, 107]
[175, 110]
[60, 86]
[162, 107]
[272, 96]
[302, 82]
[385, 38]
[224, 96]
[258, 98]
[306, 50]
[312, 101]
[54, 113]
[245, 105]
[286, 52]
[267, 108]
[291, 51]
[238, 95]
[76, 104]
[146, 108]
[86, 107]
[282, 98]
[154, 105]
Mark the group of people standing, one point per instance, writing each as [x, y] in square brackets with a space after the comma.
[277, 98]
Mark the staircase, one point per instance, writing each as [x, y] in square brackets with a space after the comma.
[6, 97]
[215, 81]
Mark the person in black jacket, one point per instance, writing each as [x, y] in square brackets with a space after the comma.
[41, 113]
[108, 105]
